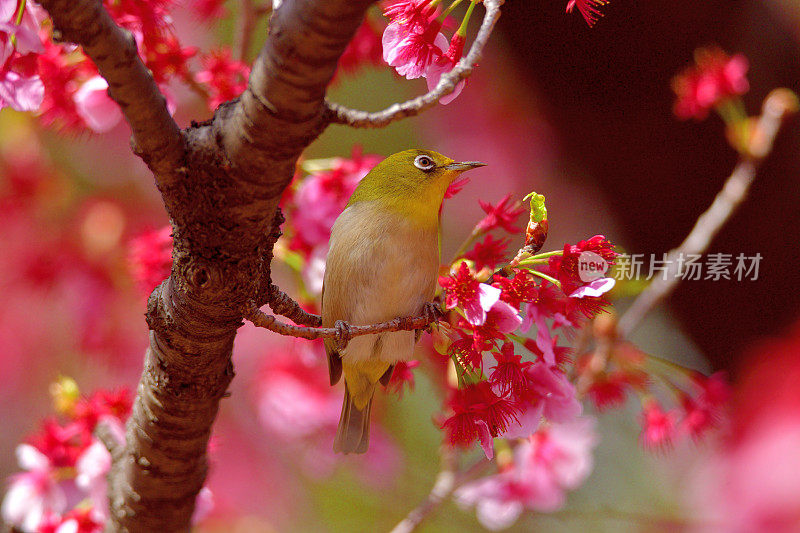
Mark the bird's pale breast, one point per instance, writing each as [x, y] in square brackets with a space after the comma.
[381, 265]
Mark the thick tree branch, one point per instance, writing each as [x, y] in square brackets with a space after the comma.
[287, 88]
[156, 137]
[778, 104]
[339, 114]
[222, 199]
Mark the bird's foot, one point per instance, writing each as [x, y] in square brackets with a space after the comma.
[343, 335]
[432, 311]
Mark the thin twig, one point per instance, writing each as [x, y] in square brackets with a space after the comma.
[448, 480]
[778, 104]
[340, 114]
[282, 304]
[263, 320]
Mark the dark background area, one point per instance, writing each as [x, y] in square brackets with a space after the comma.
[608, 94]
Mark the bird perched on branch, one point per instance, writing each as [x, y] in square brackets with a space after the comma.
[382, 264]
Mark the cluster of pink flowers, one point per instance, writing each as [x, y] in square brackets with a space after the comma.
[489, 312]
[415, 46]
[713, 80]
[20, 85]
[64, 86]
[515, 393]
[63, 486]
[553, 459]
[224, 77]
[75, 94]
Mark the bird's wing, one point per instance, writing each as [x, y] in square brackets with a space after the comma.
[334, 359]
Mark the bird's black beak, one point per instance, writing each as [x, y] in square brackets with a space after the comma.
[464, 165]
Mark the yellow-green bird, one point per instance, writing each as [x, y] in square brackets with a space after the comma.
[382, 263]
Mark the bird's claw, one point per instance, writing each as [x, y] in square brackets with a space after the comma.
[343, 335]
[432, 312]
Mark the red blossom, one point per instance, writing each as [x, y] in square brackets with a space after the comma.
[89, 410]
[608, 390]
[59, 75]
[224, 76]
[508, 375]
[566, 266]
[587, 8]
[712, 79]
[465, 291]
[658, 427]
[62, 444]
[562, 353]
[501, 320]
[455, 187]
[467, 353]
[503, 215]
[706, 410]
[168, 58]
[523, 287]
[488, 253]
[402, 375]
[363, 50]
[410, 12]
[150, 258]
[83, 519]
[474, 404]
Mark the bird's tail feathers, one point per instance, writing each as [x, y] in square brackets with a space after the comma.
[353, 433]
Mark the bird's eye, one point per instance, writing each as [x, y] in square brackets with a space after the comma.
[424, 163]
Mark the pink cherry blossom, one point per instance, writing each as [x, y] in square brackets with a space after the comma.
[556, 392]
[20, 92]
[594, 289]
[555, 459]
[411, 51]
[34, 493]
[95, 107]
[473, 297]
[659, 428]
[445, 63]
[92, 468]
[503, 316]
[93, 465]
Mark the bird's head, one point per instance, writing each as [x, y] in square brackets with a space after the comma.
[412, 182]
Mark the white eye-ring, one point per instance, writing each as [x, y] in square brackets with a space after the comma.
[424, 163]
